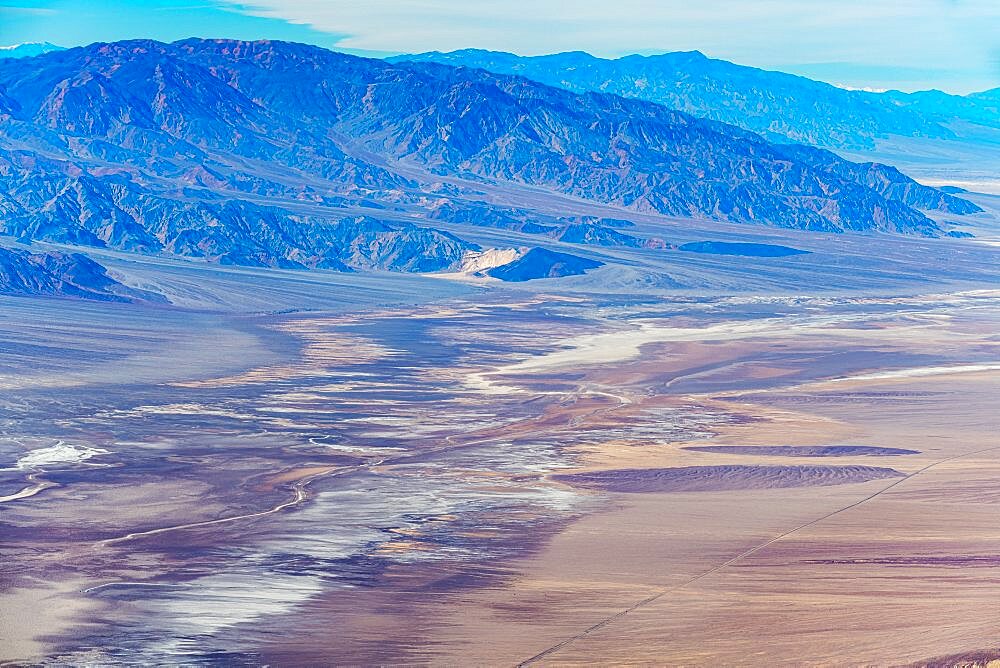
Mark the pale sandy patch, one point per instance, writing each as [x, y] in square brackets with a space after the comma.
[28, 614]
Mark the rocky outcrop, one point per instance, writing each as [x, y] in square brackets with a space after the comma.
[543, 263]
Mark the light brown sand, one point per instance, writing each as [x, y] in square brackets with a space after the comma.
[915, 571]
[27, 615]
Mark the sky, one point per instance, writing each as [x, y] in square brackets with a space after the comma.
[952, 45]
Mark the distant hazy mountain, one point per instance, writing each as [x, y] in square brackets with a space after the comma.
[779, 106]
[27, 49]
[991, 96]
[61, 275]
[982, 110]
[279, 154]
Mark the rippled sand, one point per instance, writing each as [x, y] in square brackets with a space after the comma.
[803, 450]
[718, 478]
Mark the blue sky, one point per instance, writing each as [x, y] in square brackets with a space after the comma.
[953, 45]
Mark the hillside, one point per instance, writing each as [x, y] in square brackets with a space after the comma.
[779, 106]
[59, 274]
[286, 155]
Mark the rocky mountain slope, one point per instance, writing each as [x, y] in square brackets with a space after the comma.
[61, 274]
[286, 155]
[779, 106]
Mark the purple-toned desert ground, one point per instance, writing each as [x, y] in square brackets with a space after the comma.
[500, 476]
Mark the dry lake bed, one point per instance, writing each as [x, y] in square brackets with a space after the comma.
[515, 478]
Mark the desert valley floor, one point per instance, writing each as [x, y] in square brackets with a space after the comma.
[513, 476]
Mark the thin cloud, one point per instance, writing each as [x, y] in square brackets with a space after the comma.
[27, 11]
[958, 35]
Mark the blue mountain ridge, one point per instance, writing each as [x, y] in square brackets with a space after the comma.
[779, 106]
[61, 274]
[265, 154]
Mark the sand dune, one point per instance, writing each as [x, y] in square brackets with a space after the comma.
[803, 450]
[721, 478]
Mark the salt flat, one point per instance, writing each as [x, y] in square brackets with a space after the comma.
[276, 454]
[352, 469]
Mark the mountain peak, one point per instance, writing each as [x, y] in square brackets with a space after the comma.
[36, 45]
[28, 49]
[673, 55]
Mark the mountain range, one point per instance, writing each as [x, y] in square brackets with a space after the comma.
[27, 50]
[287, 155]
[780, 107]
